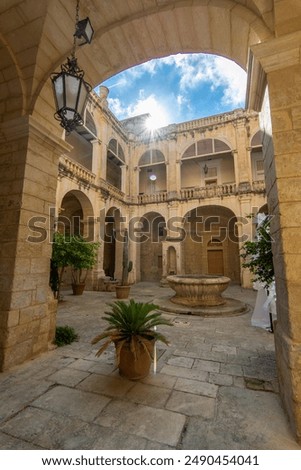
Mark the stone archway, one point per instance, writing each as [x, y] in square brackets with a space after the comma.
[112, 244]
[210, 243]
[76, 215]
[257, 35]
[152, 233]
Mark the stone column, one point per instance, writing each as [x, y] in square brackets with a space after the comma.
[244, 231]
[242, 167]
[98, 272]
[124, 173]
[96, 158]
[29, 156]
[280, 58]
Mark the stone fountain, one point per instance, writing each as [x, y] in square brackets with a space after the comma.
[197, 290]
[197, 294]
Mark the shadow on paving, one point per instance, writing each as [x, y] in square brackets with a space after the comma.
[215, 387]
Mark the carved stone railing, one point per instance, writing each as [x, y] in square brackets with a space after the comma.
[73, 169]
[208, 191]
[258, 186]
[152, 198]
[111, 191]
[210, 120]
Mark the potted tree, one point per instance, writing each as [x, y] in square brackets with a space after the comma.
[75, 252]
[258, 258]
[123, 289]
[258, 255]
[132, 329]
[82, 259]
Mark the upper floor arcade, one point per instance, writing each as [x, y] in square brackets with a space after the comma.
[210, 157]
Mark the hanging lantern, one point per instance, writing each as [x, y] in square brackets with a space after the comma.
[71, 92]
[84, 31]
[70, 89]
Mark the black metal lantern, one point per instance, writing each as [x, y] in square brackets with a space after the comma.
[70, 89]
[84, 31]
[71, 92]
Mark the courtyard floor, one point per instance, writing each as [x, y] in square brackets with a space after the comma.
[215, 387]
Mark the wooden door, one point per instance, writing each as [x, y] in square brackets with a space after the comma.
[215, 262]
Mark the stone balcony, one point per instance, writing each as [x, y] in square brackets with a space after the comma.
[73, 170]
[207, 192]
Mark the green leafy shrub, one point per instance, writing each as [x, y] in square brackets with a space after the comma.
[65, 335]
[71, 251]
[258, 256]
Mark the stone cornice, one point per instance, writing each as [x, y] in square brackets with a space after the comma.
[278, 53]
[256, 84]
[25, 126]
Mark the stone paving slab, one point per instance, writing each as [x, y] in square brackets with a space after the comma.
[106, 385]
[196, 387]
[244, 420]
[158, 425]
[147, 394]
[70, 402]
[191, 405]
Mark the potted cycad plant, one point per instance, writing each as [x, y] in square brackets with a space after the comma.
[123, 289]
[132, 329]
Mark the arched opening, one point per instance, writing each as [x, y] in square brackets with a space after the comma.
[152, 175]
[152, 233]
[115, 160]
[207, 162]
[171, 260]
[210, 245]
[80, 139]
[76, 215]
[213, 26]
[111, 253]
[257, 157]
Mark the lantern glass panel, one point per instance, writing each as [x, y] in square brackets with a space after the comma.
[89, 31]
[58, 84]
[72, 88]
[83, 95]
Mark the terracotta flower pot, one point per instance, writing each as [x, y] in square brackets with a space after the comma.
[136, 368]
[78, 289]
[123, 292]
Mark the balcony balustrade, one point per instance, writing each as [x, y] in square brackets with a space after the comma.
[72, 169]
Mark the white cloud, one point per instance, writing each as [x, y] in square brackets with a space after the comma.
[116, 107]
[150, 105]
[195, 69]
[193, 72]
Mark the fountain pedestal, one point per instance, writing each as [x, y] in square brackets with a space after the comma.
[198, 290]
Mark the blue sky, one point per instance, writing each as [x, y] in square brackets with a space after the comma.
[178, 88]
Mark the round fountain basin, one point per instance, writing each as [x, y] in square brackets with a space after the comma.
[198, 290]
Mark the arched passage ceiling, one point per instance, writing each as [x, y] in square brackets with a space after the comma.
[39, 35]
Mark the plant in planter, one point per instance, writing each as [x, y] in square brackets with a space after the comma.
[82, 258]
[71, 251]
[132, 329]
[258, 256]
[123, 289]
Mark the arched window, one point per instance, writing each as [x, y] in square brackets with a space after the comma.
[152, 175]
[81, 139]
[257, 156]
[151, 157]
[207, 162]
